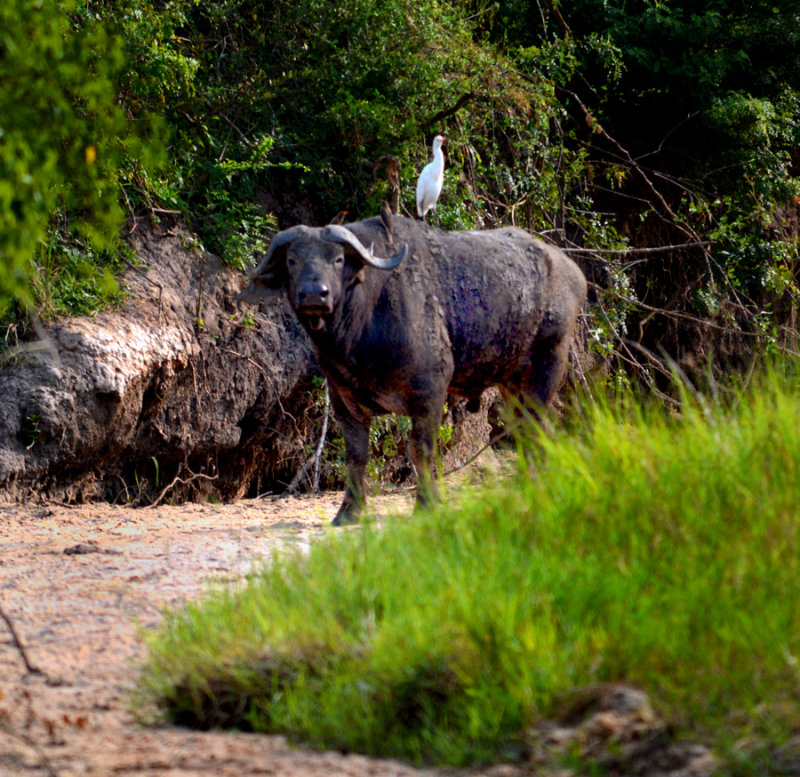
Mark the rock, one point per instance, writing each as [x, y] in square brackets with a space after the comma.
[615, 728]
[180, 381]
[83, 548]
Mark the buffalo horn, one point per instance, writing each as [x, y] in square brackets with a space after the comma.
[336, 234]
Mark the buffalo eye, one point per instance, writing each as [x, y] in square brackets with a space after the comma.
[339, 261]
[291, 262]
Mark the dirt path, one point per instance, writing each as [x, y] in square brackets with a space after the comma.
[76, 611]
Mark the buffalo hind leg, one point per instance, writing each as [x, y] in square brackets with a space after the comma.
[530, 392]
[548, 369]
[356, 446]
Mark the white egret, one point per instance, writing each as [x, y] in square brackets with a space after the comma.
[431, 179]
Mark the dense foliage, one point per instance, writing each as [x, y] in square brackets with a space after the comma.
[600, 125]
[62, 135]
[285, 101]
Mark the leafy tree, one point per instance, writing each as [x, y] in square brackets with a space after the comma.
[304, 100]
[688, 115]
[62, 134]
[627, 122]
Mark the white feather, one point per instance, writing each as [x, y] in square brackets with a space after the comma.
[431, 180]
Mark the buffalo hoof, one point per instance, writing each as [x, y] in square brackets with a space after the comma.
[344, 518]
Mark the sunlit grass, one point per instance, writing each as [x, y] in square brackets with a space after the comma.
[659, 551]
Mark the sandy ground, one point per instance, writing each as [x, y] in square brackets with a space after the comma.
[76, 613]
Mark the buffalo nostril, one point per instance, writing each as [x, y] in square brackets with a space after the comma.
[313, 295]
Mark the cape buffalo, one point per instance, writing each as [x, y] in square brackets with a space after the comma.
[446, 312]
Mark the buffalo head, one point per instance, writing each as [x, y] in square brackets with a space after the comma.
[315, 266]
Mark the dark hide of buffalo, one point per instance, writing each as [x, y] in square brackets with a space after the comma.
[449, 312]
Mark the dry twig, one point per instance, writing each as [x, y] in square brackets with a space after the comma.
[321, 443]
[183, 481]
[299, 475]
[496, 439]
[648, 250]
[18, 644]
[43, 759]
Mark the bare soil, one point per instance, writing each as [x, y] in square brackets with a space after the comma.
[78, 583]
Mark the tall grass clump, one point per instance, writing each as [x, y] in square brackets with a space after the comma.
[642, 547]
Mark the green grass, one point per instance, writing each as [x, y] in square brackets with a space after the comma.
[658, 551]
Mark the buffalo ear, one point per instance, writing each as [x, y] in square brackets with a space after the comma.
[358, 277]
[271, 272]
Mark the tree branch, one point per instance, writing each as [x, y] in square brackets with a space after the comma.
[183, 481]
[597, 127]
[651, 250]
[442, 115]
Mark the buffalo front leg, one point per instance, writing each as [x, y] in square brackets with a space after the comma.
[422, 451]
[356, 448]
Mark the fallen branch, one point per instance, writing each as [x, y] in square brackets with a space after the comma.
[184, 482]
[301, 473]
[43, 759]
[18, 644]
[496, 439]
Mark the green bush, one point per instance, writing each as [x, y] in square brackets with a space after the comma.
[63, 137]
[257, 95]
[654, 550]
